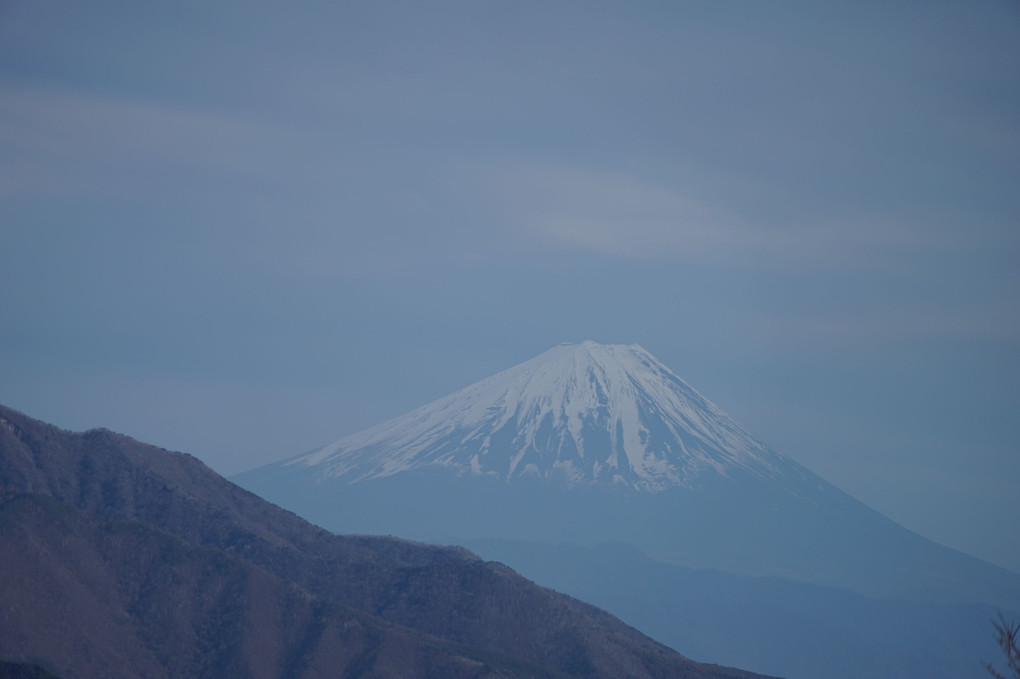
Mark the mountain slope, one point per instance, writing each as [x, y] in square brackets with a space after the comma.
[123, 538]
[107, 598]
[588, 443]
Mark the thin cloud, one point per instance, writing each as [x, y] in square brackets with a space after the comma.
[58, 142]
[995, 321]
[616, 214]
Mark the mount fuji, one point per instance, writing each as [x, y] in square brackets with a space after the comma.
[577, 415]
[589, 443]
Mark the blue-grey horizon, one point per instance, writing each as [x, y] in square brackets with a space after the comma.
[243, 230]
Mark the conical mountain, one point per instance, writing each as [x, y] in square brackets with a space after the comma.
[578, 414]
[589, 443]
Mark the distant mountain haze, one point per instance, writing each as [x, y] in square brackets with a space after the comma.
[125, 560]
[771, 625]
[588, 443]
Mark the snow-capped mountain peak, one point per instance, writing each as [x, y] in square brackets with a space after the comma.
[579, 414]
[587, 444]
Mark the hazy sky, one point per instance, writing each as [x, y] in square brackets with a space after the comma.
[245, 229]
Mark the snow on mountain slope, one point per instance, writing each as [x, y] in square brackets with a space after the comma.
[579, 413]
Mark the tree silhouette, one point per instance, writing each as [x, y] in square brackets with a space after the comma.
[1009, 642]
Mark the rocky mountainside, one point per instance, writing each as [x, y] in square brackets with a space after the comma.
[125, 560]
[589, 443]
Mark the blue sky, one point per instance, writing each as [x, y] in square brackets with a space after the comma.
[246, 229]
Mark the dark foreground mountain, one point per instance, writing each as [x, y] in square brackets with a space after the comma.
[124, 560]
[589, 443]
